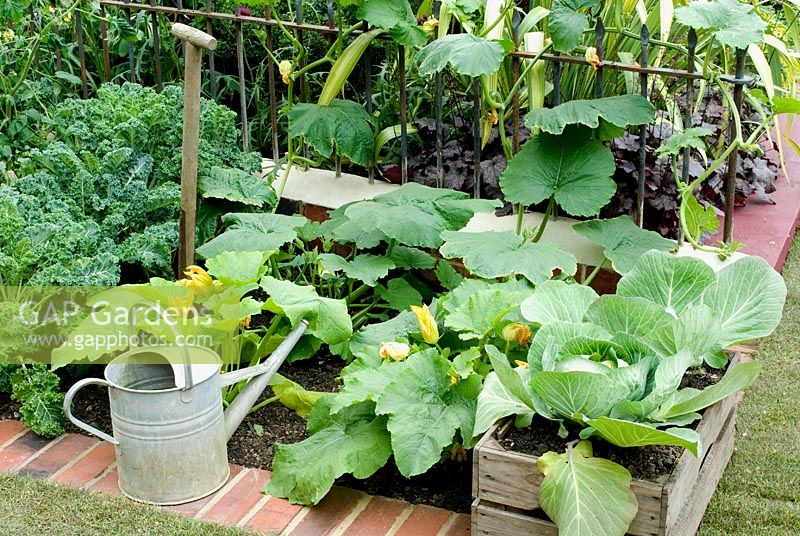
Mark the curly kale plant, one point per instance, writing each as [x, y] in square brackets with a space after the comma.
[106, 192]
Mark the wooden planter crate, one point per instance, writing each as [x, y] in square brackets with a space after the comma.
[505, 484]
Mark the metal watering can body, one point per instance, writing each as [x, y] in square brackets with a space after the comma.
[170, 432]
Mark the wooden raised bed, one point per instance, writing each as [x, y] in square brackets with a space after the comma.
[505, 484]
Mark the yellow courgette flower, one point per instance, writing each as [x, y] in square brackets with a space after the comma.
[430, 25]
[522, 364]
[285, 68]
[592, 57]
[396, 351]
[427, 324]
[516, 332]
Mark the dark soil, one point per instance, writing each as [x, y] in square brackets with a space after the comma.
[654, 463]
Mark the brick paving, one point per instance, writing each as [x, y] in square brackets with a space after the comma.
[87, 463]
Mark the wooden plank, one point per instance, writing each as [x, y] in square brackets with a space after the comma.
[686, 472]
[695, 504]
[488, 520]
[504, 481]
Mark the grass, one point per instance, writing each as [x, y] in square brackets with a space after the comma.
[760, 491]
[31, 507]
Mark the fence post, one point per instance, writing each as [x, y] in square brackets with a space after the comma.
[599, 32]
[687, 112]
[273, 99]
[212, 71]
[733, 160]
[401, 61]
[242, 83]
[81, 53]
[476, 137]
[645, 38]
[131, 61]
[438, 98]
[104, 39]
[156, 48]
[196, 41]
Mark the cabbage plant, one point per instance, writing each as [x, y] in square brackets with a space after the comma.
[613, 364]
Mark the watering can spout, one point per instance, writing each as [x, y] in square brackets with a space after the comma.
[261, 374]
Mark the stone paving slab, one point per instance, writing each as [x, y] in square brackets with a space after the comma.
[87, 463]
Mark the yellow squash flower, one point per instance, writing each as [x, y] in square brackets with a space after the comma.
[427, 324]
[522, 364]
[592, 57]
[396, 351]
[199, 281]
[285, 68]
[430, 25]
[516, 332]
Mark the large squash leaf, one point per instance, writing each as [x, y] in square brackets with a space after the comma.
[672, 282]
[396, 17]
[344, 125]
[415, 215]
[327, 318]
[749, 296]
[253, 232]
[483, 311]
[366, 267]
[554, 301]
[234, 268]
[568, 21]
[365, 384]
[353, 441]
[573, 168]
[621, 111]
[623, 242]
[467, 54]
[499, 254]
[586, 495]
[733, 23]
[236, 185]
[426, 410]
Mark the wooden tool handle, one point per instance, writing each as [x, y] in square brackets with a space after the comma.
[194, 36]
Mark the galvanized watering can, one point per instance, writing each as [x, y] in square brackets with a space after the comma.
[170, 430]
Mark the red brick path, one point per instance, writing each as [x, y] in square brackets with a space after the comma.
[86, 463]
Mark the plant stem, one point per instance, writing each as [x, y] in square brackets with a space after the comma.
[551, 205]
[264, 403]
[596, 271]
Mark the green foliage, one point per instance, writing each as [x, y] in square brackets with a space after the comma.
[623, 242]
[466, 54]
[105, 189]
[568, 21]
[327, 319]
[253, 232]
[620, 111]
[584, 494]
[499, 254]
[613, 365]
[354, 440]
[396, 17]
[344, 126]
[733, 23]
[413, 215]
[36, 388]
[572, 168]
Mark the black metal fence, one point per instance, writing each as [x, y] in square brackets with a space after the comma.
[737, 79]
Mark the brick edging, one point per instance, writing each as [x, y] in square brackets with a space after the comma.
[87, 463]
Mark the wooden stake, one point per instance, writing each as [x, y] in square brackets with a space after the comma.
[197, 41]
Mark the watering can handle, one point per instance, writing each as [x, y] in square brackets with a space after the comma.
[80, 424]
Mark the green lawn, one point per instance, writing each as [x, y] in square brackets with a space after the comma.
[31, 507]
[760, 490]
[759, 493]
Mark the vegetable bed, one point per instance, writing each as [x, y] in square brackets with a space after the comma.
[506, 482]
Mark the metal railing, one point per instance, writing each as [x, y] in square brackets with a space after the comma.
[642, 69]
